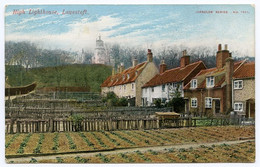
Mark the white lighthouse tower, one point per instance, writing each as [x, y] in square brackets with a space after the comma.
[100, 56]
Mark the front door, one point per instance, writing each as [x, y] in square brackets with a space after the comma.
[217, 106]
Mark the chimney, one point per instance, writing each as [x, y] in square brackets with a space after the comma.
[113, 71]
[229, 67]
[185, 59]
[118, 68]
[122, 67]
[135, 62]
[226, 47]
[163, 66]
[149, 56]
[222, 55]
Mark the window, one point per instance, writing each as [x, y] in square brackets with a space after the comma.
[238, 106]
[128, 76]
[136, 72]
[123, 77]
[238, 84]
[133, 86]
[210, 81]
[163, 88]
[152, 89]
[193, 83]
[124, 87]
[194, 102]
[208, 102]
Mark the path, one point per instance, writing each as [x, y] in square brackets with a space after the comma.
[117, 151]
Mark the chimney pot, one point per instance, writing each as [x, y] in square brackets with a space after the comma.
[184, 53]
[163, 67]
[149, 56]
[135, 62]
[226, 47]
[219, 47]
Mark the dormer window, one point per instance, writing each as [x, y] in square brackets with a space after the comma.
[193, 84]
[136, 73]
[123, 77]
[210, 82]
[128, 76]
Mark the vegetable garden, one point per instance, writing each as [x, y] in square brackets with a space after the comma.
[20, 144]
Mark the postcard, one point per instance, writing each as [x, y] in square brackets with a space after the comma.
[129, 83]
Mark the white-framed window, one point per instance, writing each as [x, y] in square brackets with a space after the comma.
[194, 83]
[133, 86]
[208, 102]
[194, 102]
[152, 89]
[128, 76]
[163, 88]
[238, 106]
[210, 82]
[238, 84]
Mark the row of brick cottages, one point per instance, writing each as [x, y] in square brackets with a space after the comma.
[228, 86]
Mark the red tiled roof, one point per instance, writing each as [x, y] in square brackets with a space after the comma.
[213, 71]
[117, 79]
[173, 75]
[246, 70]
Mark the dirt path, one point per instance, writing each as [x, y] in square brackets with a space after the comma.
[129, 150]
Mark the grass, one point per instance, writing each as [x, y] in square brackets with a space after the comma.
[86, 75]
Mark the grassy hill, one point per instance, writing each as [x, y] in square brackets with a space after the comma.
[76, 75]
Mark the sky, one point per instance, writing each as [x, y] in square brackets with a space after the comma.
[147, 26]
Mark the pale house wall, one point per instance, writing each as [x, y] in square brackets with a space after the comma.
[247, 92]
[149, 71]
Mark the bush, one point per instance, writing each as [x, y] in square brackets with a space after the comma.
[158, 103]
[76, 121]
[112, 100]
[122, 102]
[177, 103]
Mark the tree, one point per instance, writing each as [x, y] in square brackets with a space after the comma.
[177, 102]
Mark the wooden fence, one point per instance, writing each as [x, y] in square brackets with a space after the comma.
[64, 125]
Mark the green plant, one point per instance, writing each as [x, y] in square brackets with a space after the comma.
[59, 159]
[86, 139]
[98, 139]
[81, 160]
[11, 140]
[24, 143]
[71, 143]
[171, 150]
[109, 138]
[76, 121]
[124, 156]
[33, 160]
[103, 158]
[39, 145]
[141, 155]
[153, 152]
[55, 140]
[123, 138]
[158, 103]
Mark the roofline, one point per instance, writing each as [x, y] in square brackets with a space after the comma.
[199, 62]
[243, 78]
[243, 62]
[177, 68]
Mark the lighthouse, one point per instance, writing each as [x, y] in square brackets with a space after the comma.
[100, 55]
